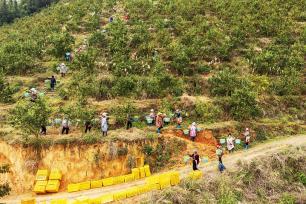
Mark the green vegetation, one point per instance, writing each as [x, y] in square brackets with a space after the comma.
[237, 54]
[30, 116]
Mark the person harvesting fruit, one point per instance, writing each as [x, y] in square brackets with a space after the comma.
[104, 124]
[193, 131]
[159, 122]
[195, 160]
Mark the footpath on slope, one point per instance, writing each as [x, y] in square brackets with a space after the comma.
[210, 168]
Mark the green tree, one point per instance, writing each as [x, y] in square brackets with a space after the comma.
[61, 43]
[224, 82]
[30, 116]
[5, 90]
[243, 104]
[288, 83]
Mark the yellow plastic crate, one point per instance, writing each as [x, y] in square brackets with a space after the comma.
[142, 172]
[107, 198]
[196, 175]
[164, 181]
[39, 189]
[59, 201]
[131, 192]
[28, 201]
[73, 187]
[55, 174]
[153, 186]
[147, 170]
[82, 200]
[119, 195]
[41, 183]
[136, 173]
[42, 175]
[95, 201]
[143, 189]
[129, 178]
[96, 184]
[53, 186]
[108, 181]
[84, 185]
[175, 178]
[152, 179]
[119, 179]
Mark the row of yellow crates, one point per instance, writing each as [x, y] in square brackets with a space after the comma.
[156, 182]
[137, 173]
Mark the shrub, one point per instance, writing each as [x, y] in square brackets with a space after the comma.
[204, 69]
[243, 104]
[98, 39]
[6, 91]
[4, 189]
[180, 59]
[61, 43]
[274, 59]
[287, 199]
[224, 82]
[148, 150]
[288, 83]
[124, 86]
[262, 134]
[90, 139]
[30, 116]
[122, 151]
[121, 112]
[206, 111]
[152, 87]
[85, 61]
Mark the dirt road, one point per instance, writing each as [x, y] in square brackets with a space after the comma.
[210, 168]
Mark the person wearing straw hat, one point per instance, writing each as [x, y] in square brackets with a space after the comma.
[230, 140]
[193, 131]
[63, 69]
[247, 138]
[195, 160]
[65, 125]
[152, 116]
[219, 153]
[33, 93]
[104, 124]
[179, 118]
[159, 122]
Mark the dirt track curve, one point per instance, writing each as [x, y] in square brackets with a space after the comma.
[208, 168]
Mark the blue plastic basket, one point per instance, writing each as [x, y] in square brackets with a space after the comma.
[199, 129]
[167, 120]
[186, 132]
[149, 120]
[58, 121]
[204, 160]
[222, 141]
[238, 141]
[26, 95]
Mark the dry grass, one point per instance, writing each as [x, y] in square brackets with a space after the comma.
[272, 179]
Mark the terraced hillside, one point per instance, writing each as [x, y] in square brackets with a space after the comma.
[226, 64]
